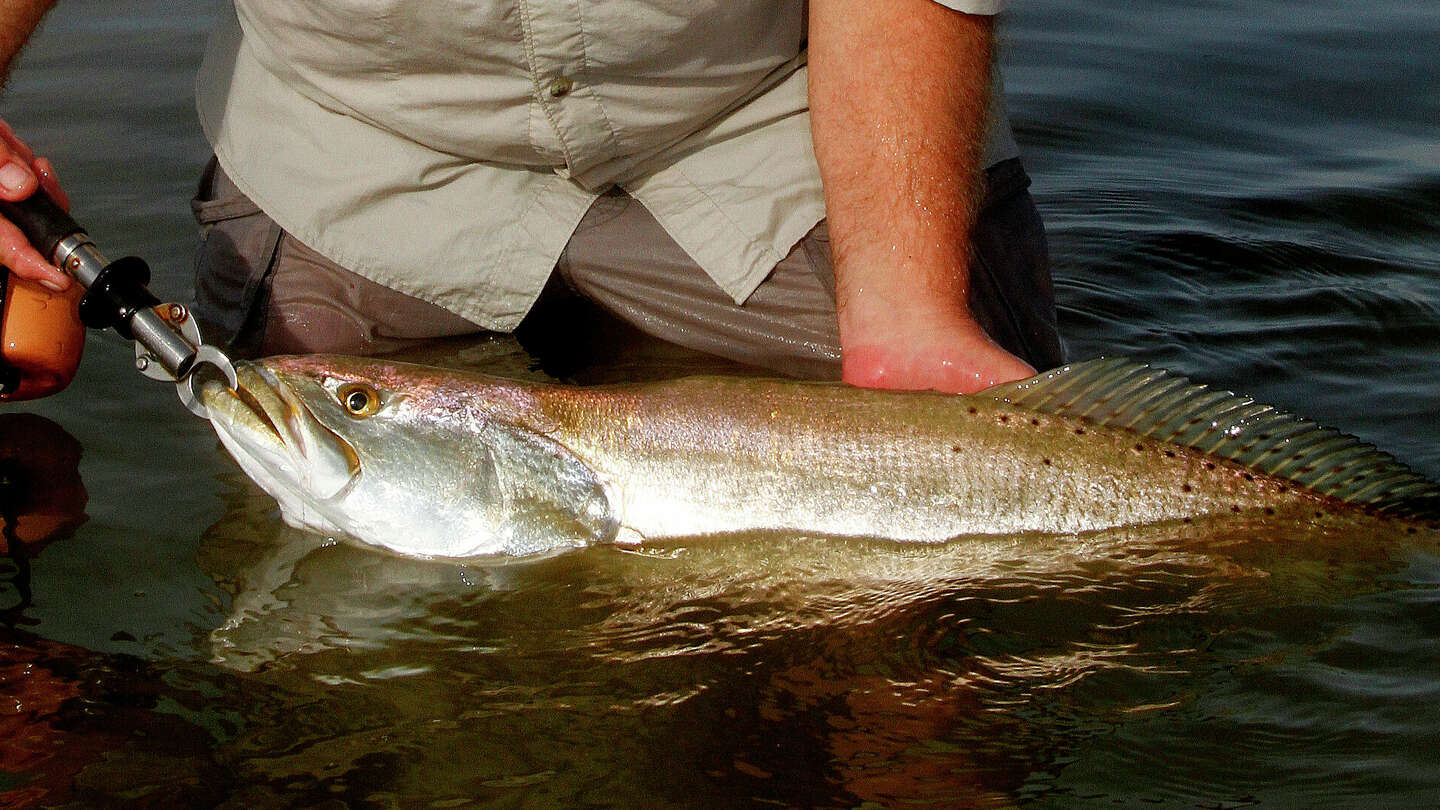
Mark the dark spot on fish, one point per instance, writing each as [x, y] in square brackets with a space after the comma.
[1079, 431]
[1282, 490]
[1269, 510]
[1187, 520]
[1169, 453]
[954, 448]
[1235, 507]
[1185, 487]
[1249, 477]
[1035, 422]
[1209, 465]
[1047, 462]
[1139, 448]
[1319, 514]
[1004, 417]
[973, 410]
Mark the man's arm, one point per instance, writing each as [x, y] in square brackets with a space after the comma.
[899, 93]
[21, 173]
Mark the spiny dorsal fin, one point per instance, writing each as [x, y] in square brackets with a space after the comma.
[1120, 393]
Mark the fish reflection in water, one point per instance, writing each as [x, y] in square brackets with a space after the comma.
[889, 671]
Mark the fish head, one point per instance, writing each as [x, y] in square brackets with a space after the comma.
[404, 458]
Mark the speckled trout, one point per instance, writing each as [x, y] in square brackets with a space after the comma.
[435, 462]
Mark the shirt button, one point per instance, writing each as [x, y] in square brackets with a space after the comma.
[561, 86]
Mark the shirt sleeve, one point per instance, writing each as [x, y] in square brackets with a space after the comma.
[975, 6]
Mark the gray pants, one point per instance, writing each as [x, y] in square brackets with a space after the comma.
[259, 291]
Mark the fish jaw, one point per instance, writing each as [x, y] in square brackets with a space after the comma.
[277, 441]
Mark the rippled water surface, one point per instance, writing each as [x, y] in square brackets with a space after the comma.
[1245, 193]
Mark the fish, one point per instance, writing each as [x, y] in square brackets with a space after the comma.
[435, 462]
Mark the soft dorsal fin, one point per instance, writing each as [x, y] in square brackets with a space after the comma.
[1152, 402]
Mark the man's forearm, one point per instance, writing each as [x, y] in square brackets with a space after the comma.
[899, 95]
[18, 19]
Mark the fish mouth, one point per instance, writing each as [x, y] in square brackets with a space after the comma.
[264, 419]
[257, 407]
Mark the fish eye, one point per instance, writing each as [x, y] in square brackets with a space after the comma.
[358, 399]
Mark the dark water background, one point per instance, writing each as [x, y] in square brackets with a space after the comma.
[1248, 193]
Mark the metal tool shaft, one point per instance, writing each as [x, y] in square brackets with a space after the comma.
[116, 297]
[82, 261]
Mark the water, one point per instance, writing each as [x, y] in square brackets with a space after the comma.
[1248, 194]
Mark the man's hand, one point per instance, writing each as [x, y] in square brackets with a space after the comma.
[21, 173]
[943, 352]
[899, 93]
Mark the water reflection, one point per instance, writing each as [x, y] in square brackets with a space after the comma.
[42, 501]
[81, 729]
[723, 671]
[76, 726]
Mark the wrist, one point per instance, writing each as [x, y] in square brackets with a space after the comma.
[921, 297]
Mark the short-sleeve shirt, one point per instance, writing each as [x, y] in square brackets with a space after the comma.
[448, 150]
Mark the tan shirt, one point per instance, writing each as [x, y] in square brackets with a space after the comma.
[448, 150]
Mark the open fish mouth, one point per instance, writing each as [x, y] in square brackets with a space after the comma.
[258, 408]
[266, 420]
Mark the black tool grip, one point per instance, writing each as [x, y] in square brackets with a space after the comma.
[43, 222]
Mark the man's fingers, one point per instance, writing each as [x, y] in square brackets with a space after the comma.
[25, 262]
[20, 171]
[17, 181]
